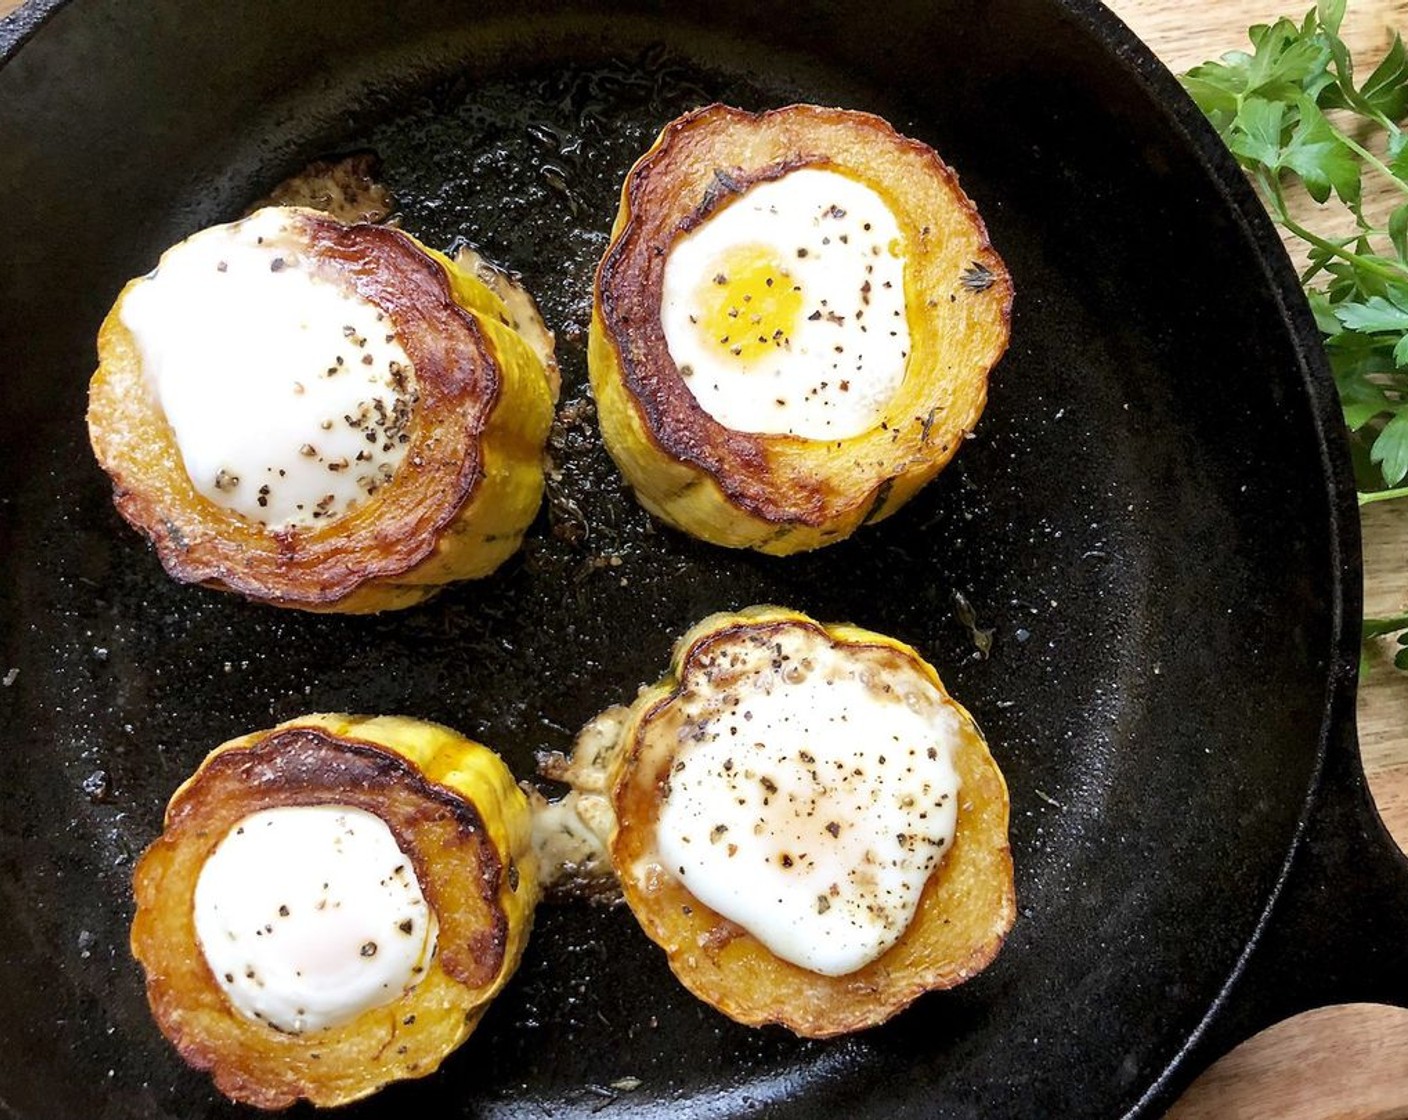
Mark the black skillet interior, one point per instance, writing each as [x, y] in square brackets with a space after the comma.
[1151, 454]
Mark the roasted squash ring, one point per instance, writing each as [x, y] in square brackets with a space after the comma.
[782, 493]
[457, 507]
[965, 909]
[452, 807]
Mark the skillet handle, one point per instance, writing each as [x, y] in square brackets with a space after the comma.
[1338, 931]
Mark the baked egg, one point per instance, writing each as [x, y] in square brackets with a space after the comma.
[808, 824]
[333, 904]
[318, 415]
[793, 324]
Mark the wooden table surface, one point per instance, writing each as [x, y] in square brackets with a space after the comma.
[1338, 1063]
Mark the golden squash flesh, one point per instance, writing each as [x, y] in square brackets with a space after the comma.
[964, 911]
[782, 494]
[456, 508]
[453, 809]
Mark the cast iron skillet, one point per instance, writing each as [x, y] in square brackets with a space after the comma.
[1156, 521]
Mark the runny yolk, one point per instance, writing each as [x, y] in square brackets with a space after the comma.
[748, 305]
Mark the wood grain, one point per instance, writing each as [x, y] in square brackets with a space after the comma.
[1338, 1063]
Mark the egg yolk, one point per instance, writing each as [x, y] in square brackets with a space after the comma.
[749, 305]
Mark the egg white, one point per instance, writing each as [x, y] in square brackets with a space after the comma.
[309, 915]
[811, 797]
[784, 311]
[288, 394]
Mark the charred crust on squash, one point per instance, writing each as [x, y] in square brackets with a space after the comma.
[965, 909]
[398, 547]
[727, 185]
[788, 497]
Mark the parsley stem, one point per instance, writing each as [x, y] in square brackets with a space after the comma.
[1386, 269]
[1281, 214]
[1371, 496]
[1372, 160]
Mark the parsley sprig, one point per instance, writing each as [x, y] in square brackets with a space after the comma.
[1290, 110]
[1270, 107]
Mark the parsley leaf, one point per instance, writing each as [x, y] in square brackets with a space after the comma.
[1255, 134]
[1398, 154]
[1316, 153]
[1375, 314]
[1390, 449]
[1386, 89]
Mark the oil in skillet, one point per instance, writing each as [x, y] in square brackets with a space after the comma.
[528, 170]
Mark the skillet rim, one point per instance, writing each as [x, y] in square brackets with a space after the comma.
[19, 26]
[1198, 137]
